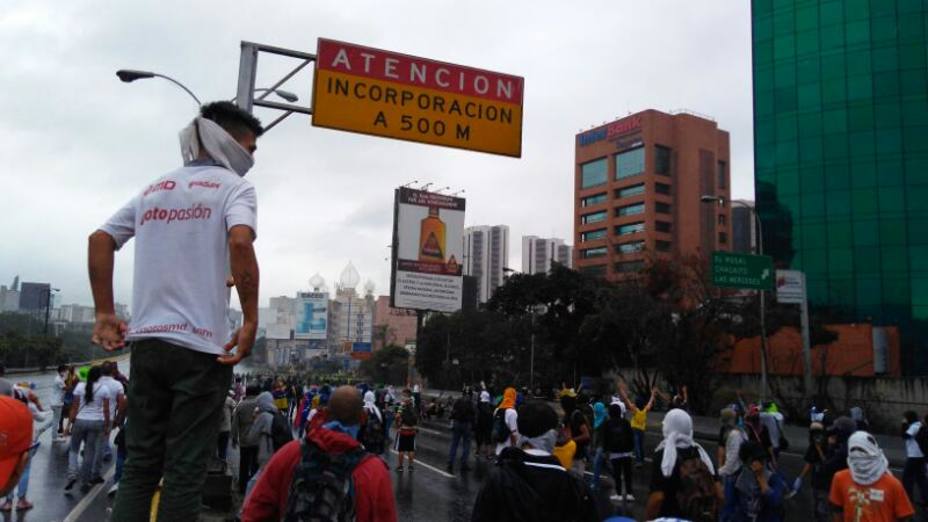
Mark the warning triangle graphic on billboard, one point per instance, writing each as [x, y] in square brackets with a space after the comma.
[432, 248]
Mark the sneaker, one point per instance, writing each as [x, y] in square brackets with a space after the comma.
[7, 506]
[112, 491]
[399, 469]
[615, 498]
[629, 497]
[70, 484]
[23, 505]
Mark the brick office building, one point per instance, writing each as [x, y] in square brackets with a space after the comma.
[638, 184]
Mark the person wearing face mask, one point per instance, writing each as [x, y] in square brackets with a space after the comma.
[193, 228]
[867, 491]
[815, 457]
[528, 482]
[757, 491]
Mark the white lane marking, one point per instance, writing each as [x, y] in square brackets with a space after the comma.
[88, 499]
[433, 468]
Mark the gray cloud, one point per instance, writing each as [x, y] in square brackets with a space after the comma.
[76, 143]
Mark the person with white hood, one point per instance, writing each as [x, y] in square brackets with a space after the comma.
[373, 433]
[683, 482]
[867, 491]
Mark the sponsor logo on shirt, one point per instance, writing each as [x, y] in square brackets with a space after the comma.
[170, 215]
[158, 187]
[204, 184]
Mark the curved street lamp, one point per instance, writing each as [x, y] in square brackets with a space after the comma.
[130, 75]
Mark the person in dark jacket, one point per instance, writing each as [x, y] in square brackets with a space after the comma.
[462, 418]
[528, 483]
[757, 491]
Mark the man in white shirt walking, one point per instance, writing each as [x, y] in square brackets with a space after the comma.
[190, 227]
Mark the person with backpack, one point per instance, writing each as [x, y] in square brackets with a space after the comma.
[528, 482]
[757, 491]
[867, 491]
[373, 429]
[407, 421]
[619, 446]
[772, 419]
[757, 431]
[327, 475]
[270, 428]
[462, 419]
[596, 445]
[914, 471]
[505, 422]
[683, 483]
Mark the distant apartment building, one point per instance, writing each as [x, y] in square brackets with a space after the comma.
[486, 257]
[34, 296]
[539, 253]
[743, 232]
[395, 326]
[639, 184]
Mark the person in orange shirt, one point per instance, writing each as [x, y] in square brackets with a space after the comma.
[866, 491]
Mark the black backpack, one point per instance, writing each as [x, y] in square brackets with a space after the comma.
[322, 488]
[373, 435]
[618, 436]
[500, 432]
[696, 495]
[280, 431]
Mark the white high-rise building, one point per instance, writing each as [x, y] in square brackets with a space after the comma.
[538, 253]
[486, 255]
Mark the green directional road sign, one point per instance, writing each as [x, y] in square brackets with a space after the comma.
[746, 271]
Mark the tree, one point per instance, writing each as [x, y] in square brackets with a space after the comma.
[387, 365]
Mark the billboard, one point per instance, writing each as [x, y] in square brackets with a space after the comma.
[311, 315]
[382, 93]
[361, 351]
[428, 245]
[791, 287]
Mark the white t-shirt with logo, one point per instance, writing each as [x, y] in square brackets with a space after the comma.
[180, 224]
[93, 410]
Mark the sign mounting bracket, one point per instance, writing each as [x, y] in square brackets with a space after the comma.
[247, 73]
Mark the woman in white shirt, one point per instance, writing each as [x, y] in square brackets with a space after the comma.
[90, 423]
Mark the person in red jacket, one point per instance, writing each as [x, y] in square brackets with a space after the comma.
[334, 431]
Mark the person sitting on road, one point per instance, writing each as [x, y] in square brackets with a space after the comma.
[16, 433]
[757, 492]
[683, 483]
[867, 490]
[355, 482]
[528, 482]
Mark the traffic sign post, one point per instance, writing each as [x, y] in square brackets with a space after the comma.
[791, 289]
[745, 271]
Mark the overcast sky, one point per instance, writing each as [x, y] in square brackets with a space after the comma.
[76, 143]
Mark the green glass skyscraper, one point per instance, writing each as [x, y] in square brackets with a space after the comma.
[841, 155]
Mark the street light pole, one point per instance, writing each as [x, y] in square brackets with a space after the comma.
[762, 294]
[130, 75]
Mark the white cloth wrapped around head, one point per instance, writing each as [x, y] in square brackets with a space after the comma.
[865, 459]
[678, 435]
[215, 142]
